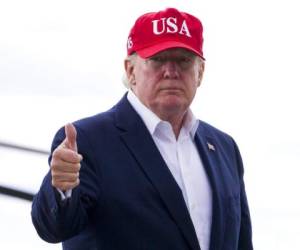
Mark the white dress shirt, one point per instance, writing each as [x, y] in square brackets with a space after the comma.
[183, 160]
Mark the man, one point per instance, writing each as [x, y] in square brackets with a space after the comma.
[146, 175]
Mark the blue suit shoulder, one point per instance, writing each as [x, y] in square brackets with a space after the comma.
[225, 143]
[214, 133]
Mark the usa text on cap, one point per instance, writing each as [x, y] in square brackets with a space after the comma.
[157, 31]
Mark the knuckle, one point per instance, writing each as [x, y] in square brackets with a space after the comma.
[74, 177]
[77, 167]
[77, 182]
[54, 183]
[55, 153]
[53, 161]
[55, 176]
[77, 177]
[53, 173]
[73, 184]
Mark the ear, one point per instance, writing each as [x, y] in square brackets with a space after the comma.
[129, 69]
[201, 72]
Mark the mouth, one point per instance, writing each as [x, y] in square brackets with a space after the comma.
[171, 90]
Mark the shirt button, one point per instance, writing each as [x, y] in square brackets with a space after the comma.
[193, 206]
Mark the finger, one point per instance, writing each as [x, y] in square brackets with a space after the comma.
[67, 155]
[71, 135]
[64, 186]
[63, 166]
[64, 177]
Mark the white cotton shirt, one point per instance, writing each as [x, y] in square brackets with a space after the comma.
[184, 162]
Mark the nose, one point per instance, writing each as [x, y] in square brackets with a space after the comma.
[171, 70]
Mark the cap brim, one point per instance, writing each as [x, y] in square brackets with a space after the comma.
[152, 50]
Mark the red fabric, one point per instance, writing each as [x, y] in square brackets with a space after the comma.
[156, 31]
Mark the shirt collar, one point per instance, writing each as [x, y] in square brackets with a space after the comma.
[151, 120]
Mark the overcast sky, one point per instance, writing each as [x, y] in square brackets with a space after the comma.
[63, 60]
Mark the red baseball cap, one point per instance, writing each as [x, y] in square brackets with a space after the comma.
[157, 31]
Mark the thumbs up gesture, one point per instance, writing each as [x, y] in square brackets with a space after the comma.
[65, 163]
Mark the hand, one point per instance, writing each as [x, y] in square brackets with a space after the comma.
[65, 163]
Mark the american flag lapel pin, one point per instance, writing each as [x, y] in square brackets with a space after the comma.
[211, 147]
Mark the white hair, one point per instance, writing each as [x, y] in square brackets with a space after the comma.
[131, 58]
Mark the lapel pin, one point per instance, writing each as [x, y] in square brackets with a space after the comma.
[211, 147]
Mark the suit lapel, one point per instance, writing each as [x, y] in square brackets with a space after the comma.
[209, 151]
[140, 143]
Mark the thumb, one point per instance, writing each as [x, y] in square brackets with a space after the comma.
[71, 135]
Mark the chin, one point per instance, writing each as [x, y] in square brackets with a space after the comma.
[173, 103]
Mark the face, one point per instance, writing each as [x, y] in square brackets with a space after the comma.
[167, 82]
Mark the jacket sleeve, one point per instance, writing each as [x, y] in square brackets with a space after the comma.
[245, 236]
[57, 220]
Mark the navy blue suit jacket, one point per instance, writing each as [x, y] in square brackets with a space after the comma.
[128, 199]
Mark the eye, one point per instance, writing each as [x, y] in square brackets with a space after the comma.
[157, 59]
[185, 59]
[185, 62]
